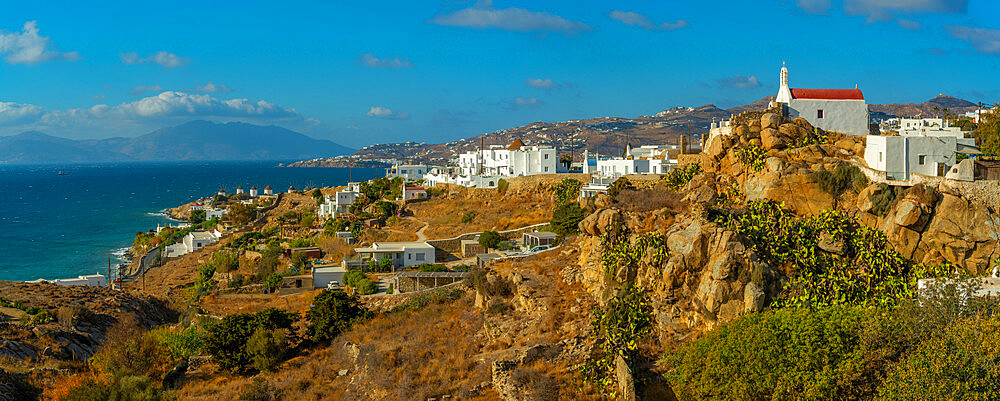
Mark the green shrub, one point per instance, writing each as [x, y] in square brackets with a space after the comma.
[489, 239]
[882, 199]
[677, 178]
[128, 350]
[42, 317]
[225, 261]
[300, 260]
[197, 217]
[862, 269]
[619, 325]
[502, 186]
[227, 340]
[567, 190]
[752, 156]
[127, 388]
[959, 364]
[332, 312]
[842, 178]
[267, 348]
[786, 354]
[181, 344]
[427, 267]
[566, 218]
[367, 287]
[468, 217]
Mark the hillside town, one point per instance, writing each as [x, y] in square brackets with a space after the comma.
[530, 238]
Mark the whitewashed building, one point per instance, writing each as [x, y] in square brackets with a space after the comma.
[90, 280]
[408, 172]
[402, 254]
[836, 110]
[414, 193]
[253, 191]
[200, 239]
[899, 156]
[513, 161]
[268, 190]
[647, 159]
[339, 203]
[212, 213]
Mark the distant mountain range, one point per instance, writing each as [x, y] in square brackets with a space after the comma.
[195, 140]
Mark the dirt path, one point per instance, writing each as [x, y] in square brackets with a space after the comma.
[420, 233]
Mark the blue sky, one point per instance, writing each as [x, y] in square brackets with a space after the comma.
[436, 71]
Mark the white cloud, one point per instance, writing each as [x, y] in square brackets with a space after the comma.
[635, 19]
[739, 82]
[373, 61]
[908, 24]
[386, 113]
[483, 15]
[539, 83]
[140, 89]
[164, 59]
[15, 113]
[984, 40]
[524, 103]
[884, 9]
[27, 47]
[213, 88]
[814, 6]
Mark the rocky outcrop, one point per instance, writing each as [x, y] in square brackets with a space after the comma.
[83, 317]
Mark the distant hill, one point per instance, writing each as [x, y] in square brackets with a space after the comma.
[195, 140]
[931, 108]
[608, 135]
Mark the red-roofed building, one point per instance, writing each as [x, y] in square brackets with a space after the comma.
[413, 193]
[838, 110]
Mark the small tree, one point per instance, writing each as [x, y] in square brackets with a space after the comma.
[241, 214]
[267, 348]
[489, 239]
[566, 218]
[300, 260]
[333, 312]
[197, 217]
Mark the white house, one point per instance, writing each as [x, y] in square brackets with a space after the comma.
[596, 186]
[837, 110]
[253, 191]
[239, 190]
[268, 190]
[402, 254]
[412, 193]
[409, 172]
[899, 156]
[90, 280]
[649, 159]
[200, 239]
[323, 276]
[513, 161]
[338, 204]
[212, 213]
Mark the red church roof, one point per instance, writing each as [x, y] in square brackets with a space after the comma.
[830, 94]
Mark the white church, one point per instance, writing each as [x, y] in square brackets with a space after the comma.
[837, 110]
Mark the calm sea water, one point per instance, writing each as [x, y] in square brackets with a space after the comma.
[60, 226]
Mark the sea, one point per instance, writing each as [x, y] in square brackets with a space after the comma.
[62, 221]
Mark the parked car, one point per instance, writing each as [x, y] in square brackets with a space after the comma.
[538, 248]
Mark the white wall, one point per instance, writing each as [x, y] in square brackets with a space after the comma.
[843, 116]
[417, 256]
[900, 156]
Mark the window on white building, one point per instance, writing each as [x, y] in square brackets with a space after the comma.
[819, 113]
[546, 168]
[546, 155]
[920, 159]
[409, 256]
[880, 157]
[420, 256]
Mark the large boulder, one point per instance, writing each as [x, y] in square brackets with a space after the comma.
[770, 120]
[602, 221]
[771, 139]
[907, 213]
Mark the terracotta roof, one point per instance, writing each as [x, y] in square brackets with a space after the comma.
[517, 144]
[267, 187]
[831, 94]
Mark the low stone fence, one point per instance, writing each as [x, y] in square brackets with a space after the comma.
[454, 245]
[420, 281]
